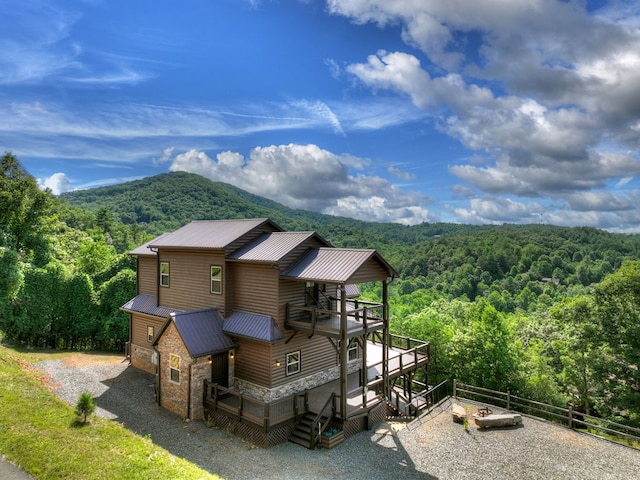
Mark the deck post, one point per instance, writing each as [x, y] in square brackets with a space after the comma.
[385, 340]
[343, 350]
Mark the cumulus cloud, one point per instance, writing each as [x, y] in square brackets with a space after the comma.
[545, 90]
[309, 177]
[58, 183]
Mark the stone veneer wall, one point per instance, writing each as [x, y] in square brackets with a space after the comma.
[200, 371]
[142, 358]
[174, 396]
[311, 381]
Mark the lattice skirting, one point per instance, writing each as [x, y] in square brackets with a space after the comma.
[256, 435]
[376, 415]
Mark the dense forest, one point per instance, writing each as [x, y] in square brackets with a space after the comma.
[551, 313]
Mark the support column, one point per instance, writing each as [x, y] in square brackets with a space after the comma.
[386, 388]
[343, 351]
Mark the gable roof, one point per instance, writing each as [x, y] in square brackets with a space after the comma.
[334, 265]
[252, 325]
[273, 246]
[201, 332]
[147, 304]
[144, 249]
[210, 234]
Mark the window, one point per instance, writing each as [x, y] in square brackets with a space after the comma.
[174, 366]
[150, 334]
[216, 279]
[352, 350]
[293, 363]
[164, 274]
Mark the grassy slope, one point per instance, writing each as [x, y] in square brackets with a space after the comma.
[40, 433]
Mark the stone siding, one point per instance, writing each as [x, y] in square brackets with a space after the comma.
[142, 358]
[173, 396]
[268, 395]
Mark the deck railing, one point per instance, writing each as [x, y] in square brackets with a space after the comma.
[364, 313]
[409, 354]
[255, 411]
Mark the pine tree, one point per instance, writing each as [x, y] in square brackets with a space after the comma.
[85, 406]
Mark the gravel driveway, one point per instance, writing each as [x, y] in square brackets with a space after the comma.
[432, 447]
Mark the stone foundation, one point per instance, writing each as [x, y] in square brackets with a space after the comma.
[268, 395]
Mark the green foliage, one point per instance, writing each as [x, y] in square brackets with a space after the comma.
[85, 406]
[22, 209]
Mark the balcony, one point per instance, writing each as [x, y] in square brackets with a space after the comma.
[362, 318]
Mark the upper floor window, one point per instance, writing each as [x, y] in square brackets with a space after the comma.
[150, 334]
[164, 274]
[293, 362]
[216, 279]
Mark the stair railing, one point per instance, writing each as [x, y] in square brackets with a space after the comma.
[320, 426]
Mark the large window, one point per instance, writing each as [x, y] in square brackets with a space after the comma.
[216, 279]
[164, 274]
[293, 363]
[174, 366]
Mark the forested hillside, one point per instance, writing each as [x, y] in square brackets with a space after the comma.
[552, 313]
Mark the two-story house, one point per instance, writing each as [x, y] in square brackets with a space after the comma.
[260, 330]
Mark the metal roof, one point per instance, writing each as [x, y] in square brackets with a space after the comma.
[215, 234]
[201, 332]
[252, 325]
[271, 247]
[147, 304]
[333, 265]
[144, 248]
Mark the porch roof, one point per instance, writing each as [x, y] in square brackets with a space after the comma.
[201, 332]
[252, 325]
[147, 304]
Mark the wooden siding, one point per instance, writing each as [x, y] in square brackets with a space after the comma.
[252, 362]
[254, 288]
[371, 271]
[139, 324]
[148, 275]
[316, 354]
[190, 280]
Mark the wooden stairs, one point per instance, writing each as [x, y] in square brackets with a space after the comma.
[305, 429]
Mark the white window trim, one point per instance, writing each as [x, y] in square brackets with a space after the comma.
[150, 333]
[218, 279]
[164, 275]
[352, 349]
[293, 363]
[173, 359]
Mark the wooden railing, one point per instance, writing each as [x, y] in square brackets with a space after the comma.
[414, 353]
[357, 310]
[321, 427]
[575, 420]
[252, 410]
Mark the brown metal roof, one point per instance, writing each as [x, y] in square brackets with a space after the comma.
[271, 247]
[147, 304]
[214, 234]
[144, 250]
[252, 325]
[201, 332]
[334, 265]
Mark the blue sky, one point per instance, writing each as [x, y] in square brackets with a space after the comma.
[406, 111]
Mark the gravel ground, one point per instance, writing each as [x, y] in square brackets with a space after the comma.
[432, 447]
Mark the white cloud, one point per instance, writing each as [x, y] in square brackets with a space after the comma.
[308, 177]
[58, 183]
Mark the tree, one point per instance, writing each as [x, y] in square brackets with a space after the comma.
[23, 208]
[85, 406]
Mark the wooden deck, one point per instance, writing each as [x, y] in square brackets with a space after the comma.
[359, 397]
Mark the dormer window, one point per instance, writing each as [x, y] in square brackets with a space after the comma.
[216, 279]
[164, 274]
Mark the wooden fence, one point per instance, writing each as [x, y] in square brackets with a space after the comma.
[568, 416]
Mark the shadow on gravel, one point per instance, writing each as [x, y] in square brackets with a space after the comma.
[130, 399]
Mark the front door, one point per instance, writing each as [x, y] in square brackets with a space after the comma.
[220, 369]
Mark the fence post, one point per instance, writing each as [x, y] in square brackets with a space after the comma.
[570, 412]
[508, 400]
[455, 388]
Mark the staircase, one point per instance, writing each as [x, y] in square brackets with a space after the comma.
[304, 432]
